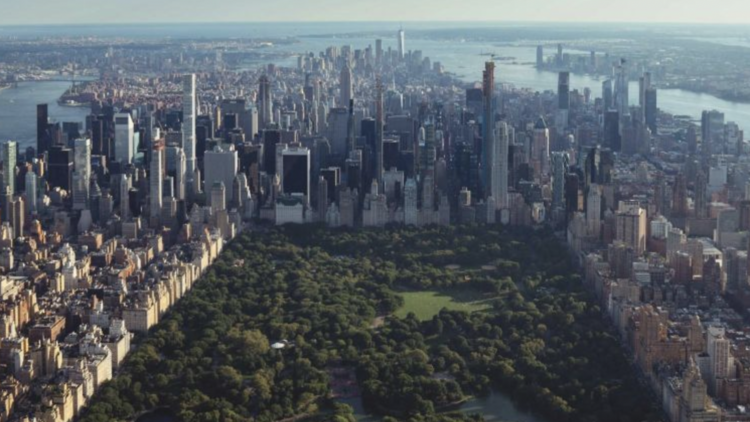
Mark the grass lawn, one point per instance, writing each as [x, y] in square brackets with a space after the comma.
[427, 304]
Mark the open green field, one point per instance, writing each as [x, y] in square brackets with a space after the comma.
[427, 304]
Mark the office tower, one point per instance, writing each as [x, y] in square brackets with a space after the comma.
[621, 89]
[712, 131]
[379, 129]
[124, 138]
[611, 137]
[43, 134]
[188, 121]
[60, 167]
[559, 57]
[607, 95]
[218, 197]
[560, 162]
[156, 181]
[503, 141]
[652, 109]
[540, 149]
[488, 124]
[295, 171]
[346, 86]
[247, 117]
[31, 183]
[81, 173]
[265, 102]
[563, 100]
[401, 44]
[221, 165]
[630, 222]
[10, 158]
[333, 180]
[124, 193]
[539, 56]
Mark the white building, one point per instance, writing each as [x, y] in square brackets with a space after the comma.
[124, 138]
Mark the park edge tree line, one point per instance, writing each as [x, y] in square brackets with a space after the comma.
[543, 341]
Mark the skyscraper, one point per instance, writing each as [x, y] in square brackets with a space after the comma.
[43, 135]
[346, 86]
[379, 128]
[10, 158]
[188, 121]
[401, 43]
[560, 162]
[621, 89]
[265, 102]
[218, 196]
[81, 173]
[31, 182]
[221, 165]
[124, 138]
[156, 181]
[500, 187]
[540, 149]
[379, 52]
[295, 171]
[539, 56]
[563, 100]
[488, 124]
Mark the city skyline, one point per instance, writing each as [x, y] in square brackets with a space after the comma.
[193, 11]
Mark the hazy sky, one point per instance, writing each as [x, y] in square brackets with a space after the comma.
[24, 12]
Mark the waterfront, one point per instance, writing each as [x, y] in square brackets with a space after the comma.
[18, 110]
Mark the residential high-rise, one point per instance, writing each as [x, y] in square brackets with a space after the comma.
[218, 197]
[560, 162]
[622, 84]
[563, 100]
[379, 52]
[411, 197]
[180, 174]
[630, 222]
[124, 187]
[503, 146]
[379, 129]
[188, 121]
[488, 124]
[156, 181]
[346, 88]
[265, 102]
[81, 173]
[540, 149]
[401, 43]
[652, 109]
[10, 158]
[124, 138]
[31, 184]
[539, 56]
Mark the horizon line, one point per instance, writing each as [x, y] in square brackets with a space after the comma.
[399, 22]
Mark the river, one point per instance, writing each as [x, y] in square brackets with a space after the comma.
[18, 110]
[461, 57]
